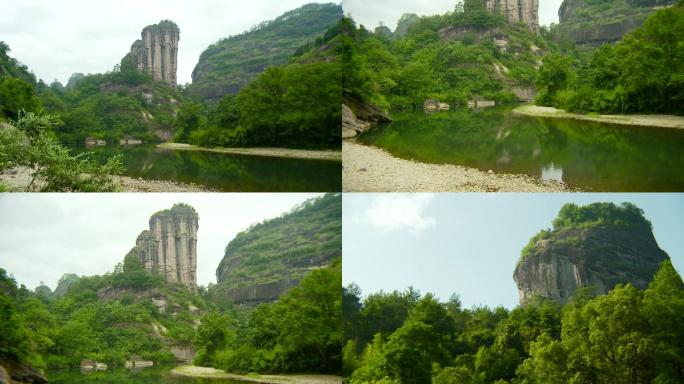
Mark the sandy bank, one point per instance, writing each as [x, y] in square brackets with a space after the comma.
[370, 169]
[662, 121]
[193, 371]
[268, 152]
[18, 180]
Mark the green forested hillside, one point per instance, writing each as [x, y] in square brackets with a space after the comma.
[269, 258]
[17, 86]
[108, 318]
[300, 332]
[454, 57]
[115, 105]
[228, 65]
[641, 73]
[295, 105]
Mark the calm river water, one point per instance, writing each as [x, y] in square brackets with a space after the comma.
[585, 155]
[228, 173]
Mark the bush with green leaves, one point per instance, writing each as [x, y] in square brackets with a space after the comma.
[29, 143]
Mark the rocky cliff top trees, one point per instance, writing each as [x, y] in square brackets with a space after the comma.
[597, 246]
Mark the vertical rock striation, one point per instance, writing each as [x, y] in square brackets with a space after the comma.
[599, 257]
[517, 11]
[169, 247]
[157, 52]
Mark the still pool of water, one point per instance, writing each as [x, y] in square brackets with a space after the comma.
[228, 173]
[121, 376]
[585, 155]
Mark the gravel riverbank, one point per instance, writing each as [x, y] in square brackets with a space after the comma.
[370, 169]
[204, 372]
[662, 121]
[18, 180]
[268, 152]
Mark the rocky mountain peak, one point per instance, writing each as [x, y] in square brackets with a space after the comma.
[156, 52]
[517, 11]
[169, 247]
[597, 246]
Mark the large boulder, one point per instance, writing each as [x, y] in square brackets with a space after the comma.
[359, 116]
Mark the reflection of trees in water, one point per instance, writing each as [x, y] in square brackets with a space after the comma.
[588, 155]
[228, 172]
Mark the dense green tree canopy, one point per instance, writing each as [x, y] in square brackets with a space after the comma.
[625, 336]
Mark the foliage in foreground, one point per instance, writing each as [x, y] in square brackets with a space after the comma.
[30, 144]
[642, 73]
[625, 336]
[301, 332]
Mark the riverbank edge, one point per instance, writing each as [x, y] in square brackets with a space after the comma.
[303, 154]
[658, 121]
[372, 169]
[212, 373]
[18, 179]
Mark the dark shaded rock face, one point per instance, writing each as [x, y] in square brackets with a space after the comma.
[599, 257]
[170, 245]
[359, 116]
[12, 371]
[590, 24]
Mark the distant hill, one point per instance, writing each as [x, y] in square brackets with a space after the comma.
[228, 65]
[269, 258]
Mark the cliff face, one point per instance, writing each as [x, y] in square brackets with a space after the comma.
[599, 257]
[517, 11]
[228, 65]
[268, 259]
[157, 52]
[588, 23]
[169, 247]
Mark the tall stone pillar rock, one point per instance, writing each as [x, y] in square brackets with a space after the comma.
[517, 11]
[169, 247]
[157, 51]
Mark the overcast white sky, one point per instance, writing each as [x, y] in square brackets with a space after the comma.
[469, 243]
[44, 236]
[371, 13]
[58, 38]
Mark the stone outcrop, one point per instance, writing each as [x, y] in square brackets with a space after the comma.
[435, 106]
[598, 257]
[169, 247]
[13, 371]
[517, 11]
[89, 366]
[359, 116]
[588, 24]
[157, 52]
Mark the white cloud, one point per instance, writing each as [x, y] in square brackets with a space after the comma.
[400, 212]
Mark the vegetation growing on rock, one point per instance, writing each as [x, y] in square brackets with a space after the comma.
[271, 257]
